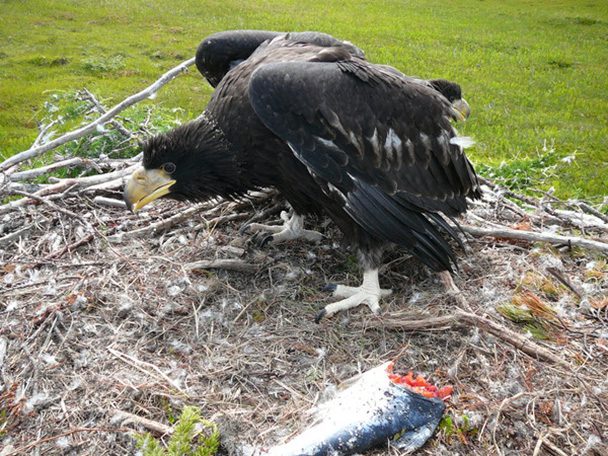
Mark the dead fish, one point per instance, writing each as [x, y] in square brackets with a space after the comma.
[378, 408]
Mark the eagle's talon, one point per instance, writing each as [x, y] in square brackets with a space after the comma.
[369, 293]
[330, 287]
[320, 316]
[267, 240]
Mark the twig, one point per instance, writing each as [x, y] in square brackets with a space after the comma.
[98, 164]
[109, 202]
[589, 210]
[154, 426]
[22, 450]
[140, 365]
[14, 235]
[56, 208]
[162, 224]
[227, 206]
[536, 237]
[64, 184]
[68, 248]
[504, 191]
[519, 341]
[540, 205]
[503, 404]
[3, 349]
[37, 172]
[120, 127]
[91, 127]
[564, 280]
[544, 440]
[43, 131]
[229, 264]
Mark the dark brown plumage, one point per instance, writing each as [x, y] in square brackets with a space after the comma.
[307, 114]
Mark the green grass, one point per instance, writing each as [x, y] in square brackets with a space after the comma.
[534, 72]
[192, 436]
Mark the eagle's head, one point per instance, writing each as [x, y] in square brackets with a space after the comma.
[453, 93]
[191, 162]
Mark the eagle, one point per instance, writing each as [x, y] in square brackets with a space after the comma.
[305, 113]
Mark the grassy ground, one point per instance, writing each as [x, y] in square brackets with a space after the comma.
[533, 72]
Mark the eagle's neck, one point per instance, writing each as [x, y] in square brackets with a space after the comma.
[212, 167]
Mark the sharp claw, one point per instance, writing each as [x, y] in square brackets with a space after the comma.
[330, 287]
[244, 228]
[375, 308]
[267, 240]
[320, 315]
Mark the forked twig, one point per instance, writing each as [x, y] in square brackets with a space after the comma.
[145, 367]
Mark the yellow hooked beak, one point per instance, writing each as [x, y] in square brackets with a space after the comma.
[145, 186]
[462, 109]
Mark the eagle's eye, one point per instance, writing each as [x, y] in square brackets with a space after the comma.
[169, 168]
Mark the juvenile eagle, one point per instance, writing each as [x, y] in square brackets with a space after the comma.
[307, 114]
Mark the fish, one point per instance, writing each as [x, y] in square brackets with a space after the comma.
[377, 409]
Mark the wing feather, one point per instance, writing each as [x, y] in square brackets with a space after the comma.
[382, 140]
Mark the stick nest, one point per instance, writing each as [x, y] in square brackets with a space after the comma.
[106, 317]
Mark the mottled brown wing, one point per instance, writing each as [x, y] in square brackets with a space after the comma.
[382, 141]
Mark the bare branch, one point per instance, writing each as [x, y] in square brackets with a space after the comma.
[536, 237]
[147, 368]
[227, 263]
[57, 208]
[91, 127]
[37, 172]
[519, 341]
[44, 129]
[64, 184]
[116, 124]
[126, 418]
[162, 224]
[589, 210]
[109, 202]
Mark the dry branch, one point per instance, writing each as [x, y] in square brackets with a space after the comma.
[36, 151]
[68, 248]
[116, 124]
[589, 210]
[63, 185]
[127, 418]
[164, 223]
[44, 170]
[57, 208]
[229, 264]
[14, 235]
[75, 162]
[508, 233]
[519, 341]
[110, 202]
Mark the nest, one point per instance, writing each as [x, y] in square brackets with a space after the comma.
[111, 323]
